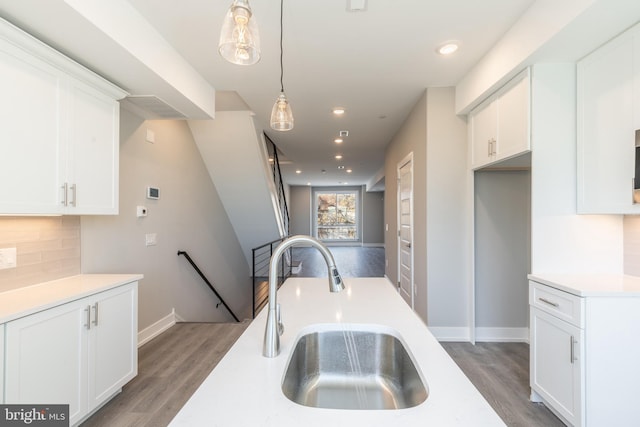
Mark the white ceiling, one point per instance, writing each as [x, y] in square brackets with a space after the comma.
[375, 63]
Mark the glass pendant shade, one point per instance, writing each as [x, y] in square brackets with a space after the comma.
[281, 115]
[239, 37]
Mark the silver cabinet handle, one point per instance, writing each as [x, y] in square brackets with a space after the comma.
[88, 310]
[546, 301]
[95, 314]
[74, 190]
[65, 200]
[571, 347]
[489, 147]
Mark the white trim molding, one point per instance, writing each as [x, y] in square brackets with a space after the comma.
[451, 333]
[152, 331]
[502, 334]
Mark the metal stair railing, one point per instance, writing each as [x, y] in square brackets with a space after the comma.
[260, 272]
[272, 150]
[195, 267]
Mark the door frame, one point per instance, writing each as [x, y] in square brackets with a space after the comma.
[407, 159]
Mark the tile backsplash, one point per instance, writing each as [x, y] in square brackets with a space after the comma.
[48, 248]
[632, 245]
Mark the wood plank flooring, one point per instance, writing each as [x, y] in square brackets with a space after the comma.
[351, 261]
[500, 371]
[170, 369]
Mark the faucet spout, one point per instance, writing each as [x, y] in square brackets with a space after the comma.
[274, 327]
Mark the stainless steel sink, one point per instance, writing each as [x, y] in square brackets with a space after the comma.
[353, 369]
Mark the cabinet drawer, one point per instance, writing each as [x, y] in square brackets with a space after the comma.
[560, 304]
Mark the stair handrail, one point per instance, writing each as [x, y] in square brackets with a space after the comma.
[197, 269]
[277, 178]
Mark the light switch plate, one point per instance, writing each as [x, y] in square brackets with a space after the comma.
[151, 239]
[8, 258]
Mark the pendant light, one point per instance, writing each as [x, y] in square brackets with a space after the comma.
[239, 37]
[281, 115]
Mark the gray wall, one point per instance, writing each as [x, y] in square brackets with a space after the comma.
[437, 138]
[188, 216]
[502, 248]
[373, 221]
[371, 218]
[299, 202]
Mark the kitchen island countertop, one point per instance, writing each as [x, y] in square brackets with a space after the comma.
[244, 388]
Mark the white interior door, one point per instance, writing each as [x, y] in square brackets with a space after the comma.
[405, 229]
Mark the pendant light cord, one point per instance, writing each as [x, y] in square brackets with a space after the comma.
[281, 50]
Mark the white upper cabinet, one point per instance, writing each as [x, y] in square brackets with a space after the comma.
[608, 115]
[499, 127]
[59, 135]
[92, 151]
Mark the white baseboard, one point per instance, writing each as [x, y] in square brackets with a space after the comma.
[453, 334]
[461, 334]
[502, 334]
[150, 332]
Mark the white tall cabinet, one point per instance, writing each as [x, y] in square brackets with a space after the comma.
[584, 351]
[60, 132]
[608, 116]
[78, 352]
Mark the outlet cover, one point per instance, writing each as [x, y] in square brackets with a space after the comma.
[8, 258]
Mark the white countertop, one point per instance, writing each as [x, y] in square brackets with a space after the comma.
[592, 285]
[244, 389]
[31, 299]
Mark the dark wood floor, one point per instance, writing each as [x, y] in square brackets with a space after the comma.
[352, 261]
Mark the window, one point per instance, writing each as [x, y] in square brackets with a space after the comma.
[336, 215]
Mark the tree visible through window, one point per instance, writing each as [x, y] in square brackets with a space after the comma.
[336, 215]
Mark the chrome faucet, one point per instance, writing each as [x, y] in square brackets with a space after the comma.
[274, 327]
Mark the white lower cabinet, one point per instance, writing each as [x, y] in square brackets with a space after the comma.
[79, 353]
[556, 375]
[584, 356]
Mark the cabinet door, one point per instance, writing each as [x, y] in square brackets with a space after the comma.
[513, 119]
[46, 359]
[557, 368]
[606, 133]
[483, 134]
[30, 135]
[113, 343]
[92, 162]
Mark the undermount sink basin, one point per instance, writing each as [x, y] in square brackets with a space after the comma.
[351, 368]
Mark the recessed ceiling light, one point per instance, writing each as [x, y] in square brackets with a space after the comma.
[298, 171]
[341, 167]
[338, 156]
[308, 183]
[448, 48]
[338, 140]
[349, 170]
[338, 111]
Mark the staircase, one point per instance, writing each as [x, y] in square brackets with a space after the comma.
[236, 157]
